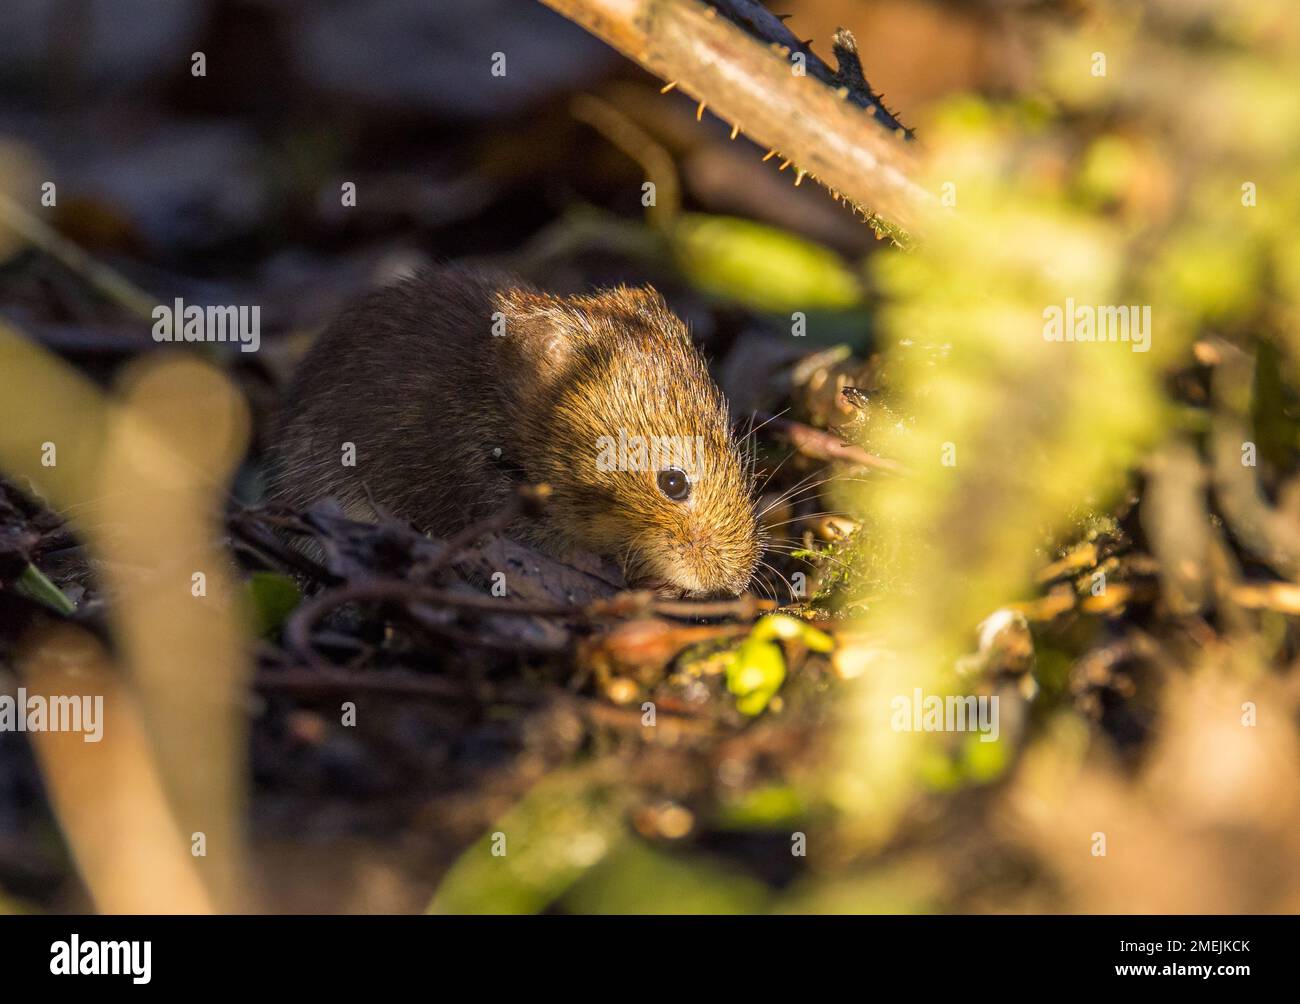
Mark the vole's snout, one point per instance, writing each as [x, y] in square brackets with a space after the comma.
[669, 591]
[715, 574]
[698, 563]
[726, 593]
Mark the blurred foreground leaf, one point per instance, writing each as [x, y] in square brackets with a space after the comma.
[641, 880]
[564, 826]
[768, 806]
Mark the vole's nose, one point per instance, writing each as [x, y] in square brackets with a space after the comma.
[711, 594]
[666, 590]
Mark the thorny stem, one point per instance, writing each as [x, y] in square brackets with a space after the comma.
[834, 139]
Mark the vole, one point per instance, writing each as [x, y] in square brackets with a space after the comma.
[455, 384]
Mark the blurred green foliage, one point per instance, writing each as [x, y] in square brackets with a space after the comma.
[641, 880]
[566, 825]
[1132, 188]
[763, 267]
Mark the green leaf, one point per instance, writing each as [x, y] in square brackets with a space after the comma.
[33, 584]
[785, 627]
[755, 674]
[272, 597]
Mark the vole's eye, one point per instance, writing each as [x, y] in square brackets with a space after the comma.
[673, 483]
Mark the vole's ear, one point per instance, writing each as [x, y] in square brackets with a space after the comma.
[538, 332]
[639, 299]
[548, 336]
[644, 307]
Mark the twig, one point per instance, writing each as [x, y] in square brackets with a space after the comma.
[822, 445]
[251, 535]
[1283, 597]
[528, 499]
[636, 143]
[742, 608]
[1262, 529]
[328, 684]
[298, 628]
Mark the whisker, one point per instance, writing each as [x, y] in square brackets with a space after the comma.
[793, 494]
[805, 516]
[787, 582]
[628, 554]
[753, 430]
[817, 557]
[800, 483]
[790, 494]
[772, 473]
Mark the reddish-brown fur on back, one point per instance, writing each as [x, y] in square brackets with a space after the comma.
[456, 384]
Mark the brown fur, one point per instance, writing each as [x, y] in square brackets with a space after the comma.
[414, 376]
